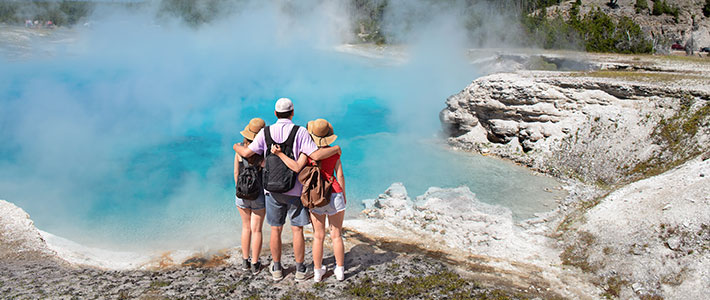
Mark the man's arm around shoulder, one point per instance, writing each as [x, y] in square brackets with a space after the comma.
[323, 153]
[243, 151]
[256, 147]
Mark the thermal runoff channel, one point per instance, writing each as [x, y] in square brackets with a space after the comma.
[119, 134]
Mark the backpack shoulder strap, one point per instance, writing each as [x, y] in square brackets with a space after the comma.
[269, 141]
[292, 136]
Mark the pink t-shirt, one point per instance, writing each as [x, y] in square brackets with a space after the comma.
[303, 143]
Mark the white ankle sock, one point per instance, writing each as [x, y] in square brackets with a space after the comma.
[339, 272]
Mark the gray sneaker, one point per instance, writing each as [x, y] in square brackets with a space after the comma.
[246, 266]
[302, 276]
[256, 268]
[276, 274]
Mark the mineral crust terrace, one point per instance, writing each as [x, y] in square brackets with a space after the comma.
[631, 134]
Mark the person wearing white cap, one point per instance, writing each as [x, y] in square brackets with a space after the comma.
[281, 205]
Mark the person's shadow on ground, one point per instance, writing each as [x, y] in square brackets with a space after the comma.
[360, 257]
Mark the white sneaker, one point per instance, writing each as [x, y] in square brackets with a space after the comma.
[339, 273]
[318, 274]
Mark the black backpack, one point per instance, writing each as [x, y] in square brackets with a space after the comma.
[249, 185]
[278, 178]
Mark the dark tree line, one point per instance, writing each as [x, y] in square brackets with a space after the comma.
[61, 13]
[368, 18]
[594, 31]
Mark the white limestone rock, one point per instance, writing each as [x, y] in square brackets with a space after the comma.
[19, 238]
[456, 222]
[456, 218]
[596, 128]
[665, 222]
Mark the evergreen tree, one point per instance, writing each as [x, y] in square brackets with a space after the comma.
[662, 7]
[657, 8]
[706, 8]
[7, 12]
[630, 38]
[641, 5]
[74, 10]
[574, 15]
[599, 33]
[595, 32]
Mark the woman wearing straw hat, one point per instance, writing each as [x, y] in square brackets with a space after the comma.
[322, 133]
[251, 211]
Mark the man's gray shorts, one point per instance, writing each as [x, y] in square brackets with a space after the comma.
[278, 206]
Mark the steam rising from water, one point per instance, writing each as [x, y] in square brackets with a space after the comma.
[122, 135]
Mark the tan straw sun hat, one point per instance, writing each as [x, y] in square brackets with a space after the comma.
[253, 128]
[322, 132]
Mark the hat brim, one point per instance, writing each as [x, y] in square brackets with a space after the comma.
[324, 141]
[248, 134]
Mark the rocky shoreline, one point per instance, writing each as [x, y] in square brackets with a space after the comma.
[631, 135]
[606, 125]
[377, 269]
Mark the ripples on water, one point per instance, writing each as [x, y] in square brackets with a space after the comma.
[126, 141]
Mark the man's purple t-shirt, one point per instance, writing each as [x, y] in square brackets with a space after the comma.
[303, 143]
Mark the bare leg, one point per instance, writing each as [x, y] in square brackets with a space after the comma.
[245, 213]
[318, 222]
[257, 221]
[299, 246]
[336, 228]
[275, 243]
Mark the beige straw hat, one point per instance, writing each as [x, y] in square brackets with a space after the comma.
[322, 132]
[253, 128]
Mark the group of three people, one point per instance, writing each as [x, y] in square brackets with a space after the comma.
[310, 144]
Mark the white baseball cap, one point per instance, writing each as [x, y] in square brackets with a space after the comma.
[284, 105]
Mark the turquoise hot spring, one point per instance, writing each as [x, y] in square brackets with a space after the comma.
[120, 135]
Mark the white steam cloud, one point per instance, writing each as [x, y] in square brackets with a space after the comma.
[134, 113]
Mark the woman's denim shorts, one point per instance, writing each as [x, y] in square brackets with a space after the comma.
[255, 204]
[336, 205]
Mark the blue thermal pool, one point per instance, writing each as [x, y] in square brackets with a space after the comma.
[124, 140]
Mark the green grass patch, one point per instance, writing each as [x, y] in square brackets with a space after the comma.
[683, 58]
[577, 254]
[656, 58]
[300, 295]
[586, 205]
[580, 210]
[674, 135]
[445, 284]
[123, 295]
[613, 287]
[159, 284]
[253, 297]
[651, 297]
[691, 125]
[319, 286]
[640, 76]
[228, 289]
